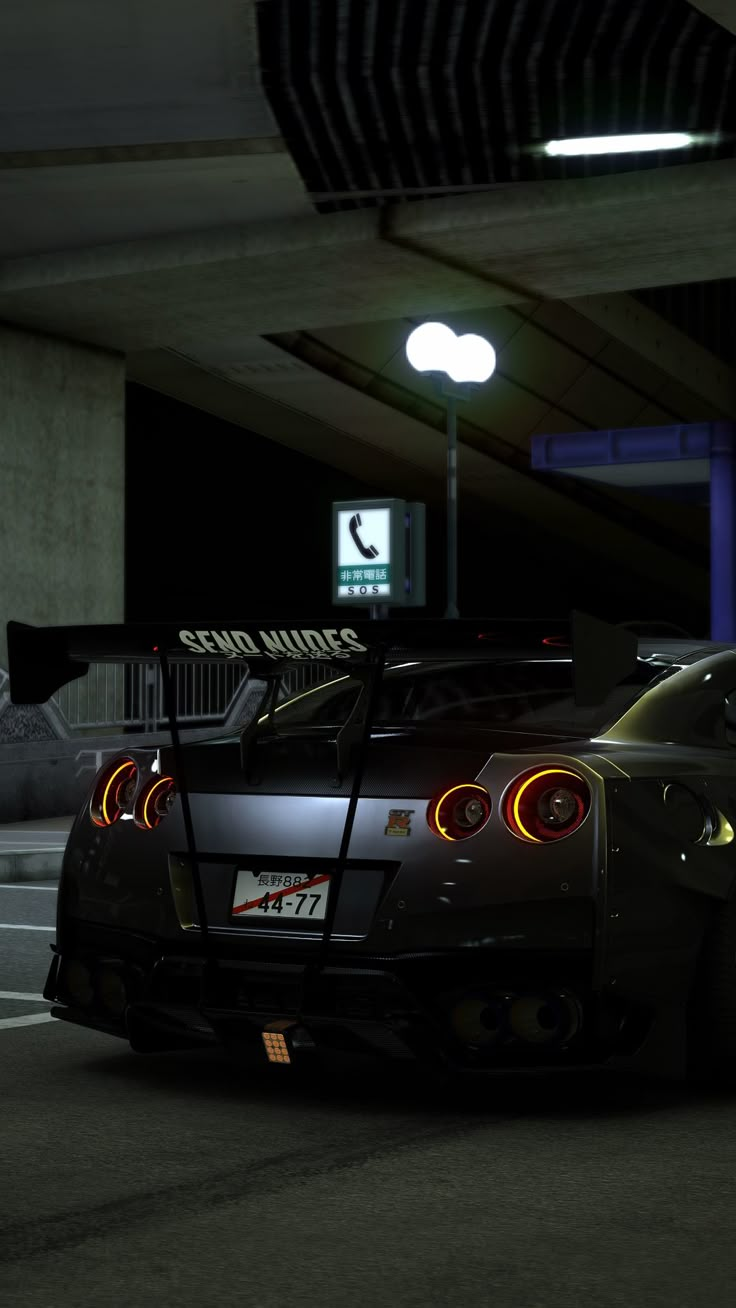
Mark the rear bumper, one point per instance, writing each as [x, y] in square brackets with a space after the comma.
[486, 1008]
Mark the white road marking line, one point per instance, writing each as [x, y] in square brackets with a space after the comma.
[7, 885]
[17, 848]
[36, 841]
[21, 994]
[17, 926]
[26, 1021]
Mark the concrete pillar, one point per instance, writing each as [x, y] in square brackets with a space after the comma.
[62, 482]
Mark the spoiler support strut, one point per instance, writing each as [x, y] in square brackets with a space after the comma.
[371, 684]
[170, 707]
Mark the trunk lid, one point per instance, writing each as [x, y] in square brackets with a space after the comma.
[406, 760]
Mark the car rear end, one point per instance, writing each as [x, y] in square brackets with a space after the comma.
[465, 923]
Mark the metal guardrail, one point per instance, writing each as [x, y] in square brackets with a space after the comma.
[306, 676]
[130, 696]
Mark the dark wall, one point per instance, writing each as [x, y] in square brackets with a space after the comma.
[223, 522]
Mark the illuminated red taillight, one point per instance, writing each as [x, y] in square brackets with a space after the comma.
[546, 804]
[154, 802]
[459, 811]
[114, 792]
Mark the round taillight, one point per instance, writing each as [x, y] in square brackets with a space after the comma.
[459, 811]
[546, 804]
[114, 792]
[154, 802]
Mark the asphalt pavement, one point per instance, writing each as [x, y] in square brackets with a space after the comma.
[177, 1180]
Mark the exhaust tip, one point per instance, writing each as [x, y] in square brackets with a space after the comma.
[480, 1020]
[112, 992]
[548, 1019]
[76, 980]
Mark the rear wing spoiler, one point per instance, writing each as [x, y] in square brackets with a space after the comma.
[43, 659]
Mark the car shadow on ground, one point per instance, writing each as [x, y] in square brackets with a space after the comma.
[367, 1087]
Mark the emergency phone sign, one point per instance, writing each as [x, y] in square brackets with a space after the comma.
[364, 553]
[373, 542]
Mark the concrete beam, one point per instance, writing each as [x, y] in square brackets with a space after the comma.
[665, 347]
[218, 287]
[129, 73]
[81, 203]
[556, 240]
[150, 152]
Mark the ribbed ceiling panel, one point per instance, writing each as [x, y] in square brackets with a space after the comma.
[399, 97]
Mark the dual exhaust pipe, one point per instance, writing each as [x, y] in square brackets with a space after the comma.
[550, 1019]
[103, 988]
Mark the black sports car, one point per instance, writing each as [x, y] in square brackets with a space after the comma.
[486, 845]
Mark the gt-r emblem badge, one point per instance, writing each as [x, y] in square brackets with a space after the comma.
[399, 822]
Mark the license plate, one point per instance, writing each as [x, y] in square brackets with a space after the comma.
[272, 896]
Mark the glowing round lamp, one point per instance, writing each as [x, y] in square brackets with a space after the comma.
[429, 346]
[473, 359]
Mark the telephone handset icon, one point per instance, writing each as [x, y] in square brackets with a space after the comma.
[368, 551]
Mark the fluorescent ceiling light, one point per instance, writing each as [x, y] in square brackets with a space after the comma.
[620, 144]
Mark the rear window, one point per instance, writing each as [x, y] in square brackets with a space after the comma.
[523, 694]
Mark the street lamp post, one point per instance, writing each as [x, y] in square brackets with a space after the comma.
[452, 610]
[457, 365]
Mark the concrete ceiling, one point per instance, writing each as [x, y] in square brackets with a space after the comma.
[550, 240]
[149, 205]
[90, 76]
